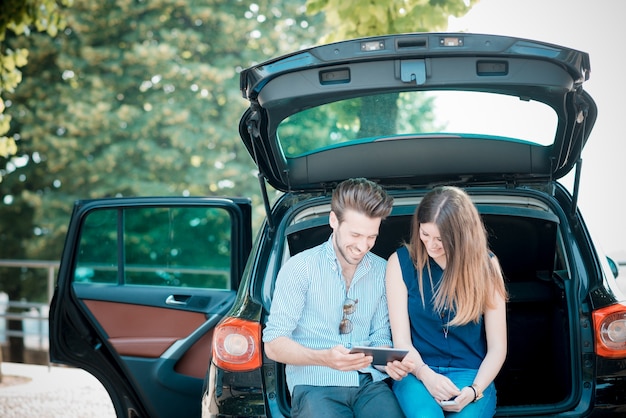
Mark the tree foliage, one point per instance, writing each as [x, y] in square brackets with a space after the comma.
[141, 97]
[134, 98]
[20, 17]
[359, 18]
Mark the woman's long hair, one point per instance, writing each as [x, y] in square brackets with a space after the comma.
[469, 278]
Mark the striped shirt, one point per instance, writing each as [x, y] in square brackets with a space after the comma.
[307, 307]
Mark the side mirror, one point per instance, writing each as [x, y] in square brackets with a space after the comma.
[614, 267]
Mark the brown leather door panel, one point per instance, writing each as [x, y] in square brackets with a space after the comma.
[143, 331]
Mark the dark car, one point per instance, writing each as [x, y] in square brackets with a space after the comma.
[164, 299]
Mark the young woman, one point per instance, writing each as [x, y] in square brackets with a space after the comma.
[446, 298]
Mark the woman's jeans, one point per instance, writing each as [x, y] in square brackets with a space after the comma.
[416, 401]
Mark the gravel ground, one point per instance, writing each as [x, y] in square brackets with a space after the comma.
[51, 392]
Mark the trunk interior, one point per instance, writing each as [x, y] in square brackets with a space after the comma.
[525, 242]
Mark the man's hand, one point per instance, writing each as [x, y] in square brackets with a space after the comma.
[340, 358]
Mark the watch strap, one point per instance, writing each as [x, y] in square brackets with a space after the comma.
[477, 393]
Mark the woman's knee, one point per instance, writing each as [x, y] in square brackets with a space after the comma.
[483, 408]
[415, 400]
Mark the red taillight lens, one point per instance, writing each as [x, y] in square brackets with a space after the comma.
[610, 326]
[237, 345]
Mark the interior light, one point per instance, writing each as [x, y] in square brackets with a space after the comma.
[372, 45]
[451, 41]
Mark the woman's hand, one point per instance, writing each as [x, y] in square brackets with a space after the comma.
[398, 370]
[440, 387]
[460, 402]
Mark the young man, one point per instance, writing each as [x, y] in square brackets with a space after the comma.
[328, 299]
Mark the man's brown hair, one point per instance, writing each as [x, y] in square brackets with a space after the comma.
[363, 196]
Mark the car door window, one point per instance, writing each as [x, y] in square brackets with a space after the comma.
[156, 246]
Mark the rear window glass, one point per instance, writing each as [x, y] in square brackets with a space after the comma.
[416, 113]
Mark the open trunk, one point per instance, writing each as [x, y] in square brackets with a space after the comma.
[524, 235]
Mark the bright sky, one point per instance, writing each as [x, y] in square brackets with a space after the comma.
[593, 27]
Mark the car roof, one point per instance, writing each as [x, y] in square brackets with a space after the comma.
[382, 107]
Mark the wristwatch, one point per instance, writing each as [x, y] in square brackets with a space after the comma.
[477, 393]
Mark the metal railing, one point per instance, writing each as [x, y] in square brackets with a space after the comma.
[34, 316]
[51, 266]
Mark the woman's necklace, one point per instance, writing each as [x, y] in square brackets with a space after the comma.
[445, 326]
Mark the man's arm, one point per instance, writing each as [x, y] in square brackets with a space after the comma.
[285, 350]
[286, 310]
[380, 329]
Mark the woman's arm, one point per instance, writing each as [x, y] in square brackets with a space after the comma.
[496, 331]
[439, 386]
[397, 302]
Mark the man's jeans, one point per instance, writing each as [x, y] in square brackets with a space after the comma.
[368, 400]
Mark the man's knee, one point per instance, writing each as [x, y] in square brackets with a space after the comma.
[378, 400]
[311, 401]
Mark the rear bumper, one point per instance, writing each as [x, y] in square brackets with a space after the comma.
[233, 394]
[610, 394]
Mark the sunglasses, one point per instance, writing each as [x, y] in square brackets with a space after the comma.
[349, 306]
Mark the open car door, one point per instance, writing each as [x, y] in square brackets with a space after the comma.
[141, 285]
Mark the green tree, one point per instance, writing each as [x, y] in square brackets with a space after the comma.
[138, 97]
[359, 18]
[132, 98]
[20, 17]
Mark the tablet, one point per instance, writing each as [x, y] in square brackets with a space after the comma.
[381, 355]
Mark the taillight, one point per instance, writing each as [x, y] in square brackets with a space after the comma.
[610, 326]
[237, 345]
